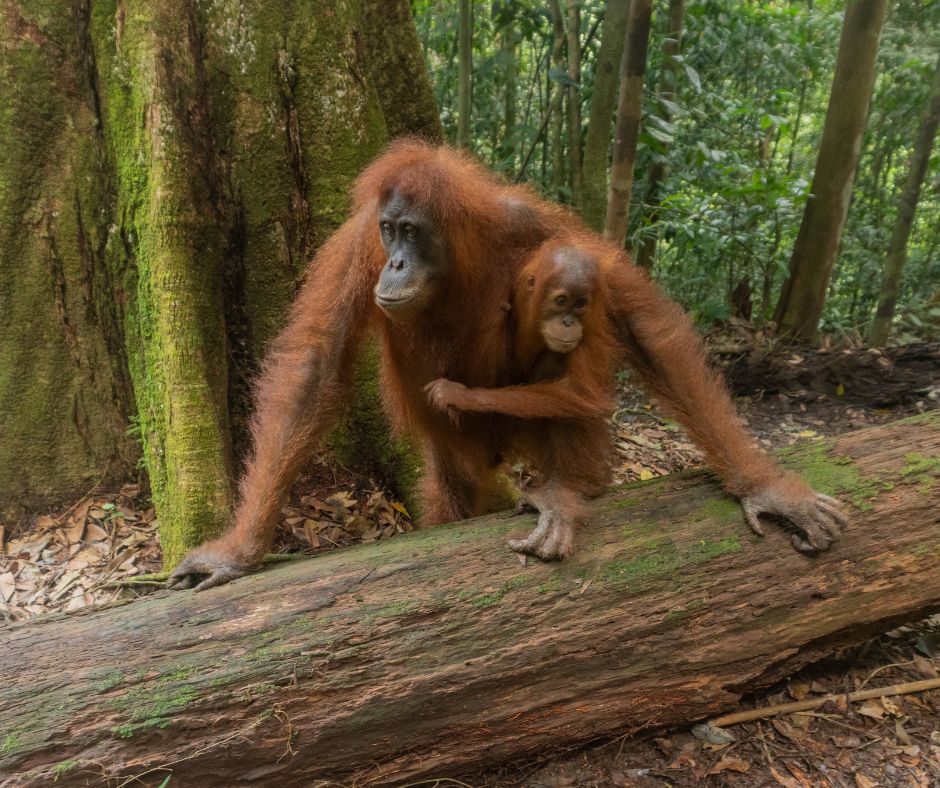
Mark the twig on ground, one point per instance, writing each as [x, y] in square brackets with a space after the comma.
[807, 705]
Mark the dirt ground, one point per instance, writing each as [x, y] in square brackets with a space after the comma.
[104, 546]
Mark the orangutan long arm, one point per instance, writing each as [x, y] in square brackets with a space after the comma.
[667, 353]
[557, 399]
[303, 383]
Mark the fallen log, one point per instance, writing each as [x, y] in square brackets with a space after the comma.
[436, 654]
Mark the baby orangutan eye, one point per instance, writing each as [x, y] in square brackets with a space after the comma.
[560, 300]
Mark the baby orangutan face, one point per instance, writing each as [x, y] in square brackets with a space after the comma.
[566, 283]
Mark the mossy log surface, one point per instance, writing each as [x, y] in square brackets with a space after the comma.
[436, 654]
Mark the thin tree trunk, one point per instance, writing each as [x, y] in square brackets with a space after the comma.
[435, 654]
[557, 99]
[804, 292]
[509, 40]
[574, 100]
[464, 69]
[672, 46]
[897, 248]
[632, 71]
[600, 114]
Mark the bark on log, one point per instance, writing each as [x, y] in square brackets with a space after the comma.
[436, 654]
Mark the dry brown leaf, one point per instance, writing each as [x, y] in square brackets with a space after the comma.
[785, 729]
[95, 533]
[864, 782]
[892, 707]
[342, 500]
[28, 549]
[730, 763]
[803, 778]
[358, 525]
[7, 587]
[848, 742]
[73, 534]
[123, 557]
[311, 529]
[926, 667]
[872, 708]
[783, 779]
[798, 689]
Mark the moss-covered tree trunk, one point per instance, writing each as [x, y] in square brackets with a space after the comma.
[65, 393]
[436, 654]
[171, 169]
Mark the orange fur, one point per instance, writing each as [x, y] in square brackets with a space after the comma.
[491, 231]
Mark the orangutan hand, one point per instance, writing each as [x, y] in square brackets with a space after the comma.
[817, 519]
[212, 564]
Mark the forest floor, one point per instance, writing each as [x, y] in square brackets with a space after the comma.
[93, 552]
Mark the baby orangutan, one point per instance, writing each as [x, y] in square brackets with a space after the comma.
[569, 342]
[565, 355]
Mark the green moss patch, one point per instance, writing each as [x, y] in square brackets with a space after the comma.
[666, 559]
[491, 598]
[153, 704]
[833, 475]
[63, 768]
[10, 742]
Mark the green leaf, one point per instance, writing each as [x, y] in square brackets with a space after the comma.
[562, 76]
[656, 134]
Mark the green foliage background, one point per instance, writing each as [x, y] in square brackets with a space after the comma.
[740, 144]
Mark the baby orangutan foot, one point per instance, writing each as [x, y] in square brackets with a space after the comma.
[525, 504]
[553, 537]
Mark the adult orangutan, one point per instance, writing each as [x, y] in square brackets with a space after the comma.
[429, 257]
[564, 321]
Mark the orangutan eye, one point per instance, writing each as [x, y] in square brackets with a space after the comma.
[387, 228]
[560, 300]
[580, 303]
[411, 232]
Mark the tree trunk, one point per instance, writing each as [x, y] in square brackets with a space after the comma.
[170, 171]
[509, 40]
[464, 69]
[65, 389]
[397, 70]
[574, 100]
[897, 248]
[672, 46]
[603, 103]
[632, 71]
[557, 100]
[804, 292]
[436, 654]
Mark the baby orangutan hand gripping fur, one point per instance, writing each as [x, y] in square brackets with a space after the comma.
[428, 257]
[566, 355]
